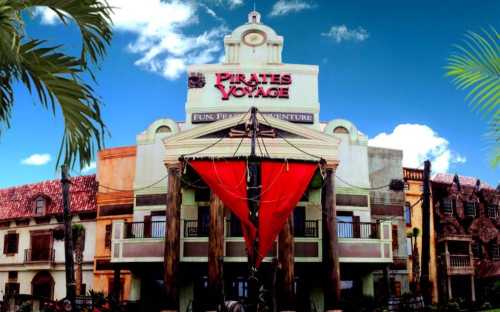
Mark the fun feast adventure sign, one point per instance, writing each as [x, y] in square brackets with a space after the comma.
[254, 85]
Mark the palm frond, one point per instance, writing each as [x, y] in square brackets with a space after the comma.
[55, 78]
[93, 18]
[475, 66]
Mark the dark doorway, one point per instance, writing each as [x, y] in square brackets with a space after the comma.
[42, 285]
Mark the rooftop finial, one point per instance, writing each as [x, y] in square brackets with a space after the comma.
[254, 17]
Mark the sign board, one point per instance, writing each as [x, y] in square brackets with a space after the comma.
[254, 85]
[303, 118]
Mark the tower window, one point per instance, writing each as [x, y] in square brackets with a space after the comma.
[40, 206]
[163, 129]
[341, 129]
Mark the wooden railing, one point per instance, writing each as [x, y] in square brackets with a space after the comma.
[152, 229]
[459, 261]
[358, 230]
[44, 256]
[194, 228]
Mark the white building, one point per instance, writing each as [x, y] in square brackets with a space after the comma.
[32, 261]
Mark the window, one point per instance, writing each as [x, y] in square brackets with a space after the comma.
[107, 236]
[202, 195]
[240, 288]
[40, 205]
[447, 206]
[470, 209]
[407, 213]
[163, 129]
[395, 243]
[12, 275]
[494, 250]
[11, 289]
[492, 211]
[407, 186]
[344, 224]
[340, 129]
[10, 243]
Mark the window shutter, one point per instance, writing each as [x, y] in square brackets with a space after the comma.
[107, 236]
[5, 243]
[15, 238]
[395, 244]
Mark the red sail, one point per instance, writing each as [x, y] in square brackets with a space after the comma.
[283, 184]
[228, 180]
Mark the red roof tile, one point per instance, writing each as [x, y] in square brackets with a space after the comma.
[446, 178]
[18, 201]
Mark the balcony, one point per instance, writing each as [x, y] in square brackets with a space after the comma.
[458, 264]
[46, 256]
[365, 242]
[144, 242]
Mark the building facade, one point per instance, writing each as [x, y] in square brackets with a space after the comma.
[115, 202]
[413, 220]
[466, 219]
[32, 261]
[182, 237]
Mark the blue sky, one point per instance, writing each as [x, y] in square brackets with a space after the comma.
[381, 66]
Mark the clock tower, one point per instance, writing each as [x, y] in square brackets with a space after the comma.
[253, 43]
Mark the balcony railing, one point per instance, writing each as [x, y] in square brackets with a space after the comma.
[460, 261]
[152, 229]
[39, 256]
[195, 228]
[358, 230]
[307, 229]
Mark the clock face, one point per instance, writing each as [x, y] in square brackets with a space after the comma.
[254, 38]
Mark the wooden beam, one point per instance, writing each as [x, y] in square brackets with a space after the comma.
[330, 243]
[216, 252]
[286, 260]
[172, 234]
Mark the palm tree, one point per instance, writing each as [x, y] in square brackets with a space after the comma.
[54, 77]
[475, 66]
[79, 244]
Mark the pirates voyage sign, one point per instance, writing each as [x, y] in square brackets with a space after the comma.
[254, 85]
[304, 118]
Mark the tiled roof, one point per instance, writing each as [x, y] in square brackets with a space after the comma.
[446, 178]
[18, 201]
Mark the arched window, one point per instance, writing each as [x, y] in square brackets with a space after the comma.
[163, 129]
[340, 129]
[40, 205]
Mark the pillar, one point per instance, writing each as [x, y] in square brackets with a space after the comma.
[368, 286]
[472, 288]
[286, 253]
[172, 234]
[330, 249]
[216, 252]
[450, 294]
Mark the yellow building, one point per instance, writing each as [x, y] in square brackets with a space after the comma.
[115, 201]
[413, 219]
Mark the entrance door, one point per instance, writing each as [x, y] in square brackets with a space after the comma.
[41, 246]
[42, 285]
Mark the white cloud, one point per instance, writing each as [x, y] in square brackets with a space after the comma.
[159, 28]
[36, 160]
[47, 16]
[283, 7]
[341, 33]
[419, 142]
[91, 167]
